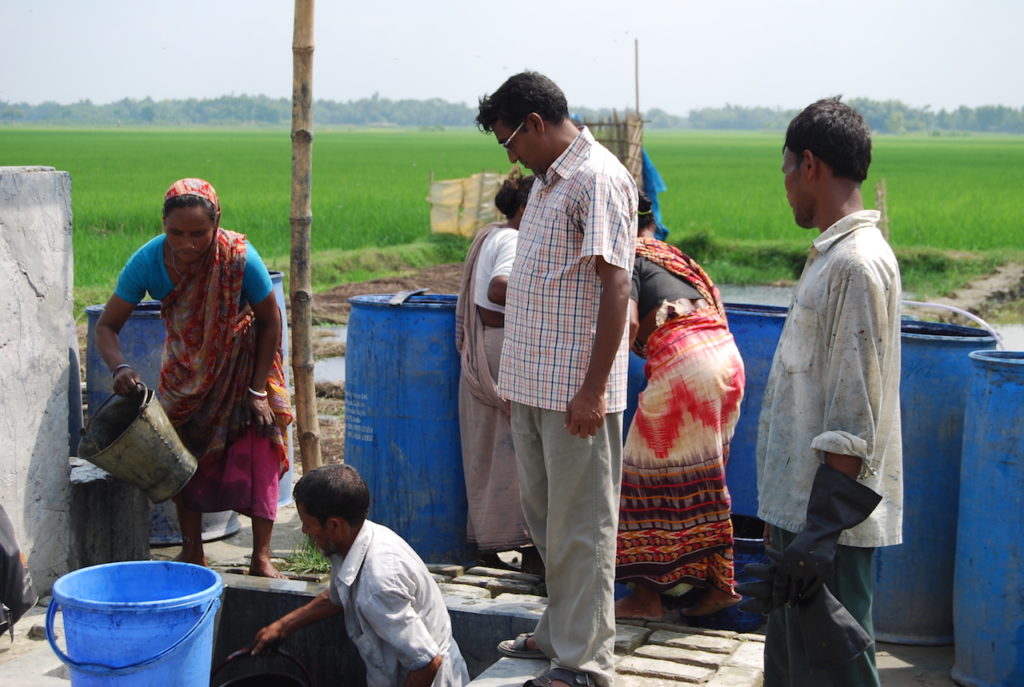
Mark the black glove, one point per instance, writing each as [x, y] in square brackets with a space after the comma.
[837, 503]
[769, 592]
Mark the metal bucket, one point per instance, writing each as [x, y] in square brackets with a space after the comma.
[131, 438]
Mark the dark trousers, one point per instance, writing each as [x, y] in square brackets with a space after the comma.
[785, 662]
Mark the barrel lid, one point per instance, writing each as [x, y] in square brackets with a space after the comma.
[384, 300]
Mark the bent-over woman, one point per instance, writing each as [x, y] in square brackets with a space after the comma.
[221, 379]
[495, 520]
[674, 528]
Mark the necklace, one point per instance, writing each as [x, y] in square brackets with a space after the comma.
[174, 264]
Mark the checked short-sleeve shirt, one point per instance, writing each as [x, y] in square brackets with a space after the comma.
[584, 206]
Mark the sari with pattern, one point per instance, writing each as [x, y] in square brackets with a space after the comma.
[674, 525]
[208, 359]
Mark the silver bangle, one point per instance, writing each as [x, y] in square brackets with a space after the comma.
[257, 394]
[113, 373]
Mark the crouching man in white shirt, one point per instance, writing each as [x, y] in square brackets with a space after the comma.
[394, 612]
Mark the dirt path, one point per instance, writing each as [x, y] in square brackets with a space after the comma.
[332, 305]
[998, 291]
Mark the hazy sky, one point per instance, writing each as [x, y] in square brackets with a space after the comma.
[785, 53]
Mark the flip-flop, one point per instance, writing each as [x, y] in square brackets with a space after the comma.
[570, 677]
[516, 648]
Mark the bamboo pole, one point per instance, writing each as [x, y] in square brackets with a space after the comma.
[636, 72]
[300, 280]
[882, 205]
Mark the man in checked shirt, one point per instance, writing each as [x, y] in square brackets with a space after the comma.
[563, 367]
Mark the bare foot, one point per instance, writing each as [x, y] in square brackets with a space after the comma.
[193, 557]
[262, 567]
[714, 600]
[642, 604]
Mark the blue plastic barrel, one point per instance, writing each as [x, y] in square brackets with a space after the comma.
[756, 330]
[141, 623]
[402, 419]
[913, 599]
[988, 604]
[142, 342]
[636, 381]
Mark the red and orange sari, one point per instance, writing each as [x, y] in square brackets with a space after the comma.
[207, 366]
[674, 524]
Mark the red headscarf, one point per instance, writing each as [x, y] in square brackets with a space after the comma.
[193, 187]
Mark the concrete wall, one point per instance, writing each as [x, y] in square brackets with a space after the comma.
[250, 603]
[35, 368]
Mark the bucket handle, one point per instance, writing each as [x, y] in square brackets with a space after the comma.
[246, 651]
[146, 397]
[103, 669]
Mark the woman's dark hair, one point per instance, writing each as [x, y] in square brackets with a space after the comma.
[644, 216]
[518, 97]
[513, 194]
[834, 132]
[188, 200]
[334, 491]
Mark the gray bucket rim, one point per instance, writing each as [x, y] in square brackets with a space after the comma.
[211, 590]
[439, 301]
[1013, 359]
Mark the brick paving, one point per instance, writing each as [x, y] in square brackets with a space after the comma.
[647, 654]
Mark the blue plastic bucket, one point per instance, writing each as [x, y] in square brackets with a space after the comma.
[756, 330]
[988, 606]
[936, 373]
[402, 419]
[140, 623]
[142, 341]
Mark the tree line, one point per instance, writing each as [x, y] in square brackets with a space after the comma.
[886, 116]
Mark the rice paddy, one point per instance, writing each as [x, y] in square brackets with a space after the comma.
[961, 194]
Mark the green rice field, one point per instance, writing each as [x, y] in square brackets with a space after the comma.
[962, 194]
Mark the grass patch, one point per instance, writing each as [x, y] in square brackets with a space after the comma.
[333, 267]
[306, 560]
[926, 272]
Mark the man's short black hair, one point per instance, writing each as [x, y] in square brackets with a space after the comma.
[834, 132]
[518, 97]
[513, 194]
[334, 490]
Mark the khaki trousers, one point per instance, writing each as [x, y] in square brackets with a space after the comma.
[569, 490]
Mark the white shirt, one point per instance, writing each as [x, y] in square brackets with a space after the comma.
[834, 385]
[394, 612]
[495, 260]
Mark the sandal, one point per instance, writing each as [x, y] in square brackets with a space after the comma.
[570, 677]
[517, 648]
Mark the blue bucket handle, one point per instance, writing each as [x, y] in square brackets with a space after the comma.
[102, 669]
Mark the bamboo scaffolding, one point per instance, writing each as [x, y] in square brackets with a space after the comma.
[300, 279]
